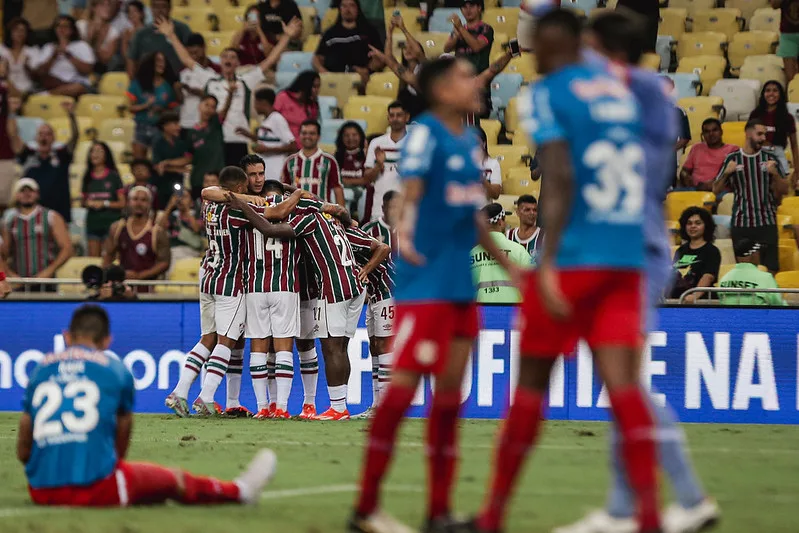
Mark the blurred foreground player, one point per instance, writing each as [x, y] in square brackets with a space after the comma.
[617, 37]
[75, 432]
[436, 316]
[586, 125]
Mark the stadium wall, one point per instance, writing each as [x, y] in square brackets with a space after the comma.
[713, 364]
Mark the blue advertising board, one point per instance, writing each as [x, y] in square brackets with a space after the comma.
[712, 364]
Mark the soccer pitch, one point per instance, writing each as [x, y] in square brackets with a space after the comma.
[751, 470]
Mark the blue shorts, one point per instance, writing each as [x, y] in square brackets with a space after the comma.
[146, 134]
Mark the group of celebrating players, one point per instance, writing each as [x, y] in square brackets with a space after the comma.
[604, 130]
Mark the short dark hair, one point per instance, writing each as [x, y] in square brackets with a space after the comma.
[212, 173]
[90, 320]
[273, 186]
[209, 97]
[564, 19]
[430, 73]
[620, 31]
[707, 218]
[251, 159]
[266, 95]
[395, 104]
[195, 39]
[166, 118]
[752, 123]
[711, 120]
[138, 5]
[232, 176]
[143, 163]
[390, 195]
[311, 122]
[526, 199]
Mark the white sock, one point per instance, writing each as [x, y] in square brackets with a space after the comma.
[216, 369]
[385, 362]
[233, 378]
[284, 376]
[375, 383]
[258, 373]
[271, 384]
[309, 371]
[192, 367]
[338, 397]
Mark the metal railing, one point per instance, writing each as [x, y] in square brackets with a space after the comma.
[736, 290]
[71, 288]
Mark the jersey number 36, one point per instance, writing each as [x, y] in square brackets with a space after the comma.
[616, 171]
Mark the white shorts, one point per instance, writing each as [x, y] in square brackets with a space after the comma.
[342, 317]
[313, 321]
[223, 315]
[272, 314]
[380, 318]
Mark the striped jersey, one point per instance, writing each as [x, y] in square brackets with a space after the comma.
[317, 174]
[222, 268]
[389, 179]
[754, 204]
[32, 245]
[532, 244]
[379, 284]
[382, 232]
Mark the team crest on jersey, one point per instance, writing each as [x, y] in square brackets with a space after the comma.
[455, 163]
[211, 218]
[598, 87]
[328, 216]
[141, 248]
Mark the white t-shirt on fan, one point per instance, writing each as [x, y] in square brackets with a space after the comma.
[62, 68]
[389, 180]
[274, 131]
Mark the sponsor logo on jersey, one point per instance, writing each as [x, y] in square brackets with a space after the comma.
[458, 194]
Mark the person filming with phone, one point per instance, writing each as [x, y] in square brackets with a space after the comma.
[183, 224]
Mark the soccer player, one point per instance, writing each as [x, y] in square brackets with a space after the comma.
[528, 234]
[75, 430]
[436, 317]
[312, 169]
[376, 270]
[617, 36]
[384, 229]
[588, 282]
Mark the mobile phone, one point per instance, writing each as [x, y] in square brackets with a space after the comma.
[252, 17]
[513, 46]
[178, 189]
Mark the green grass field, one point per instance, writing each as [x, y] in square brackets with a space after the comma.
[751, 470]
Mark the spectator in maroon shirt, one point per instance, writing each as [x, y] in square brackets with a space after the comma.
[251, 41]
[350, 156]
[789, 35]
[772, 110]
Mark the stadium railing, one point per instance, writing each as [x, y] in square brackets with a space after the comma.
[718, 290]
[71, 289]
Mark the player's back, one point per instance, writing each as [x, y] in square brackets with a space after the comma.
[223, 264]
[598, 117]
[445, 229]
[73, 398]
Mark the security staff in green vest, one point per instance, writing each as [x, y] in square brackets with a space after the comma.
[493, 283]
[746, 275]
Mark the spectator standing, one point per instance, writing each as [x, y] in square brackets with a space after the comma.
[39, 14]
[382, 159]
[273, 138]
[384, 229]
[471, 41]
[344, 47]
[171, 154]
[788, 49]
[528, 234]
[351, 157]
[97, 31]
[274, 14]
[48, 162]
[128, 23]
[756, 179]
[697, 260]
[706, 158]
[313, 170]
[103, 195]
[183, 224]
[141, 246]
[250, 41]
[412, 58]
[6, 148]
[20, 57]
[149, 40]
[192, 84]
[300, 100]
[206, 144]
[64, 64]
[36, 240]
[772, 111]
[152, 92]
[746, 275]
[492, 172]
[143, 173]
[232, 90]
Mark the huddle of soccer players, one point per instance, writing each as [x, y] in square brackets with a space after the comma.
[279, 270]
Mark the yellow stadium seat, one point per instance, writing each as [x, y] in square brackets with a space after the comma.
[524, 140]
[114, 83]
[230, 19]
[186, 269]
[508, 202]
[329, 19]
[789, 242]
[492, 129]
[706, 43]
[311, 43]
[791, 201]
[677, 202]
[699, 108]
[119, 150]
[99, 106]
[747, 7]
[372, 109]
[342, 85]
[512, 117]
[673, 227]
[672, 22]
[727, 251]
[63, 129]
[502, 19]
[762, 72]
[383, 84]
[650, 61]
[723, 20]
[411, 16]
[73, 269]
[509, 156]
[125, 173]
[766, 59]
[498, 46]
[216, 42]
[45, 106]
[432, 43]
[117, 129]
[518, 182]
[525, 65]
[693, 6]
[793, 91]
[785, 224]
[710, 69]
[734, 133]
[308, 15]
[750, 43]
[765, 19]
[197, 18]
[787, 279]
[787, 257]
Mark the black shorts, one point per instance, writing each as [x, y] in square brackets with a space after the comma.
[769, 240]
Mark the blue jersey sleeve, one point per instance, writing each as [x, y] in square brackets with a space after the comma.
[416, 159]
[538, 116]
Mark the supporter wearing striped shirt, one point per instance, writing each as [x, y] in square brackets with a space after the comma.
[756, 179]
[382, 159]
[313, 170]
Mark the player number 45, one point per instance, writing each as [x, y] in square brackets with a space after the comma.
[616, 173]
[48, 398]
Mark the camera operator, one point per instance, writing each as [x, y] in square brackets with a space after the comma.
[184, 225]
[107, 285]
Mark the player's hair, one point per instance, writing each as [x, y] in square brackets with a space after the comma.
[311, 122]
[232, 176]
[752, 123]
[273, 186]
[431, 72]
[390, 195]
[620, 31]
[229, 49]
[212, 173]
[266, 95]
[90, 320]
[526, 199]
[210, 97]
[711, 120]
[142, 163]
[397, 104]
[195, 39]
[167, 118]
[251, 159]
[707, 219]
[563, 19]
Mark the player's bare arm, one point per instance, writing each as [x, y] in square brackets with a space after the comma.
[379, 253]
[124, 430]
[110, 254]
[267, 229]
[17, 144]
[411, 194]
[720, 183]
[339, 212]
[218, 195]
[284, 208]
[25, 438]
[64, 243]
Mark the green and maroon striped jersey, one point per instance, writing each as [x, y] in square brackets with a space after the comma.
[754, 204]
[317, 174]
[32, 247]
[222, 271]
[381, 231]
[379, 281]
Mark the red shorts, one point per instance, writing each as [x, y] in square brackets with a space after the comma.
[606, 311]
[129, 484]
[423, 333]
